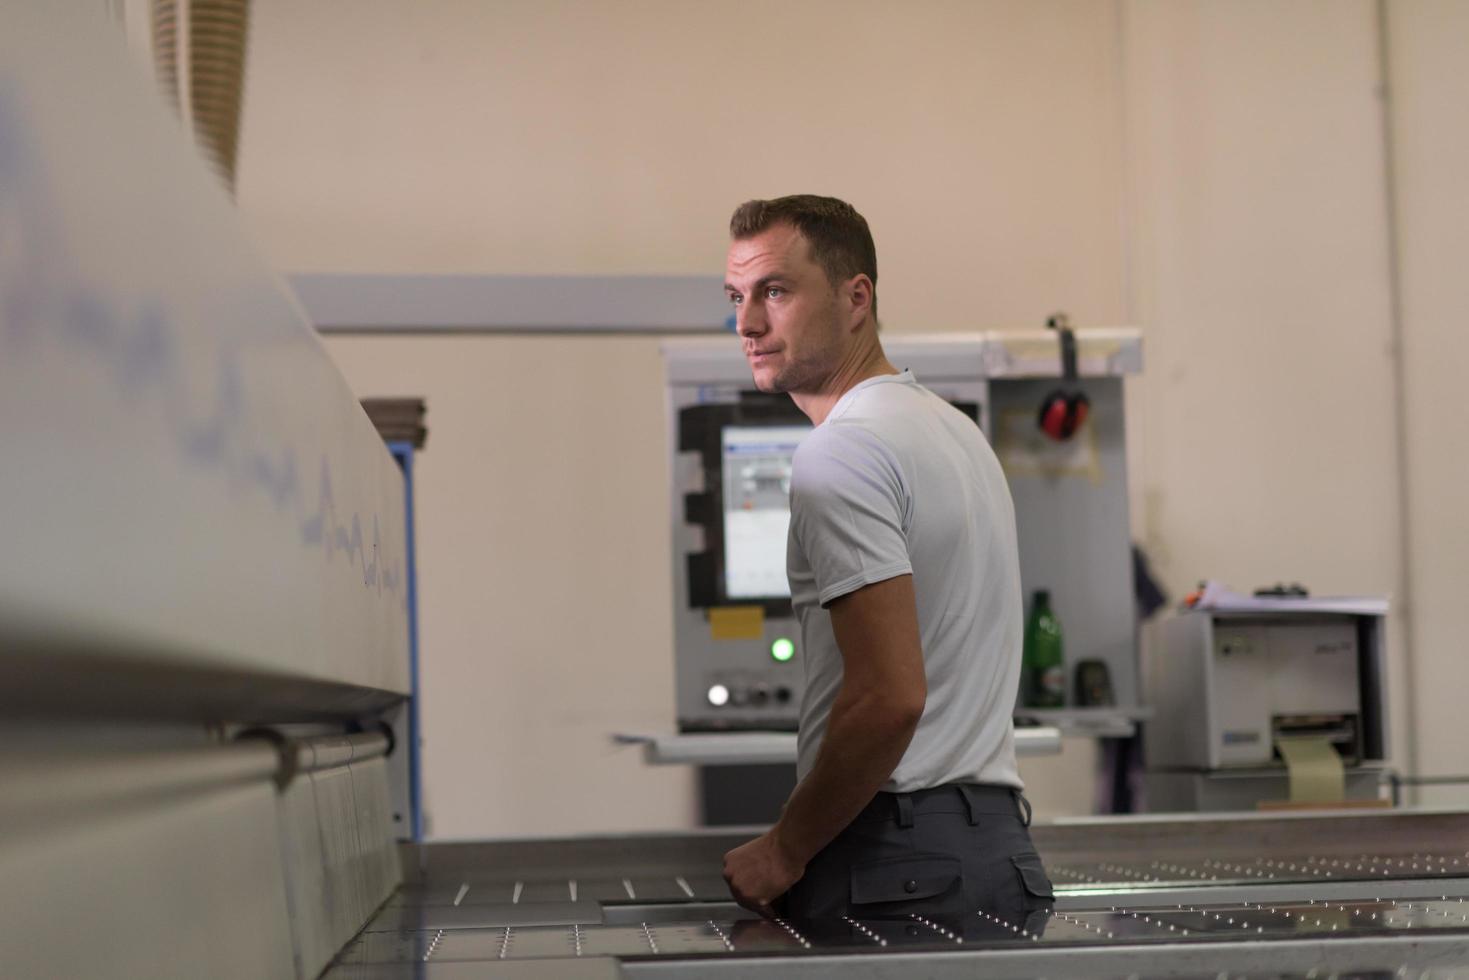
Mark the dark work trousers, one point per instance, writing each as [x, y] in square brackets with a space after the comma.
[959, 855]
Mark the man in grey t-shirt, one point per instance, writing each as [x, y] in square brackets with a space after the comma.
[905, 579]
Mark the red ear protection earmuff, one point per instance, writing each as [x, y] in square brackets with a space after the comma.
[1065, 409]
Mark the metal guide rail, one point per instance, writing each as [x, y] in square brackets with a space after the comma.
[1196, 905]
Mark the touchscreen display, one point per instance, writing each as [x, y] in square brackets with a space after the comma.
[757, 508]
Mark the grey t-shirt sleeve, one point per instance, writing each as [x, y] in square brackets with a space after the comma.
[849, 510]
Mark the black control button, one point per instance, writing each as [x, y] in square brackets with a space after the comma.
[910, 886]
[782, 695]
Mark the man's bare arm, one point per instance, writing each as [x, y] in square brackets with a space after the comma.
[872, 720]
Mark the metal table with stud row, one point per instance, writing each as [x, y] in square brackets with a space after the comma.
[1382, 894]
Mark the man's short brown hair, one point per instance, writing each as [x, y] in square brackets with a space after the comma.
[838, 236]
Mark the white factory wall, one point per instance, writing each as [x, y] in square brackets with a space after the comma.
[1259, 267]
[1430, 89]
[580, 137]
[544, 592]
[1211, 171]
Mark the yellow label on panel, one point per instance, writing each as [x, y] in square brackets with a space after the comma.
[737, 622]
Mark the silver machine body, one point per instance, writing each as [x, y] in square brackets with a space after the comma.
[204, 564]
[1070, 503]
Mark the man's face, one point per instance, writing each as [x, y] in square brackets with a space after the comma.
[786, 311]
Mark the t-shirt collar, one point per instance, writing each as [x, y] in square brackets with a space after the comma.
[904, 376]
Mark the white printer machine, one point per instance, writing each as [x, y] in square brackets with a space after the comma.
[1229, 684]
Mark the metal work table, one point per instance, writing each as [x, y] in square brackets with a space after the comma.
[1282, 896]
[765, 748]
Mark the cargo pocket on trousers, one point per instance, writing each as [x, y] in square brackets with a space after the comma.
[1040, 896]
[898, 887]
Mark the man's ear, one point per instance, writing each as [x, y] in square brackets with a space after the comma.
[858, 294]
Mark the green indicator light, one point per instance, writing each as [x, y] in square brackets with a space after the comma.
[782, 649]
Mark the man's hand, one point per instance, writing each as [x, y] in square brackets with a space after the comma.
[873, 718]
[760, 872]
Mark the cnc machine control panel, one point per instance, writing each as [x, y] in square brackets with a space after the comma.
[735, 610]
[737, 650]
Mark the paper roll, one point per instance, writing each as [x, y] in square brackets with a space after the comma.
[1315, 768]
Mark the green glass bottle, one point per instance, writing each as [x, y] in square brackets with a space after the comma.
[1043, 662]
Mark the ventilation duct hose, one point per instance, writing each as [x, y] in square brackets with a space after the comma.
[206, 39]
